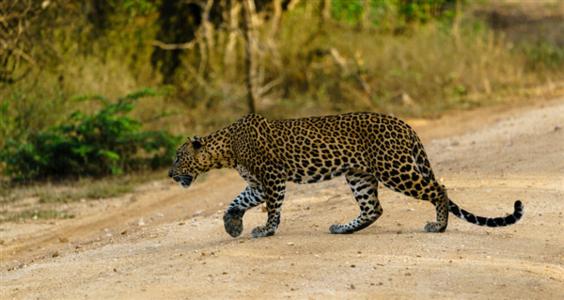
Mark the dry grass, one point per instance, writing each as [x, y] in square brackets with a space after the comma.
[50, 200]
[71, 191]
[33, 214]
[423, 73]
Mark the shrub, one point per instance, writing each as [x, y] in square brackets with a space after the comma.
[106, 142]
[543, 56]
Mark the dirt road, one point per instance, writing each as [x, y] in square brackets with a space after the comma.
[166, 242]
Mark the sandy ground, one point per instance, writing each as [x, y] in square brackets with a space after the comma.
[167, 242]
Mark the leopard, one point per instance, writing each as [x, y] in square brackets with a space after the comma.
[367, 148]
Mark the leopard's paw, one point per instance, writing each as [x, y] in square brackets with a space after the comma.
[233, 224]
[435, 227]
[262, 231]
[340, 229]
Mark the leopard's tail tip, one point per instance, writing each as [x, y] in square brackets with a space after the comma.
[519, 209]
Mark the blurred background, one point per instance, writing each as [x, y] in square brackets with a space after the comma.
[97, 88]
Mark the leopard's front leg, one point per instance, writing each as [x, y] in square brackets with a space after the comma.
[233, 217]
[274, 194]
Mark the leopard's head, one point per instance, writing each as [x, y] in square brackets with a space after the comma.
[192, 158]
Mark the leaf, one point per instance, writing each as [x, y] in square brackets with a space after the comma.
[83, 150]
[110, 155]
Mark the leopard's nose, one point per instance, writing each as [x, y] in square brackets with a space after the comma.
[170, 173]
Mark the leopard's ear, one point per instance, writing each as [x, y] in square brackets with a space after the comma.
[196, 142]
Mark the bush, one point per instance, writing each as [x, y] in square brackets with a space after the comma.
[543, 56]
[107, 142]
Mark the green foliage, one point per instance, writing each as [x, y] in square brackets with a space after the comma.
[404, 11]
[107, 142]
[138, 7]
[426, 10]
[20, 111]
[347, 11]
[544, 55]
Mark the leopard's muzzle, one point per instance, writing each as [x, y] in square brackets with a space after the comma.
[184, 180]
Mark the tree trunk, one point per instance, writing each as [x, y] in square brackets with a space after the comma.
[276, 18]
[365, 16]
[229, 59]
[207, 40]
[250, 53]
[326, 10]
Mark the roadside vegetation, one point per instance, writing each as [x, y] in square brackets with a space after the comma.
[105, 142]
[46, 200]
[92, 89]
[33, 214]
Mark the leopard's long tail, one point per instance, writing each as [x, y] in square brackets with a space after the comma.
[485, 221]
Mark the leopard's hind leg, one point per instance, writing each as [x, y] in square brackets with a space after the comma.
[415, 185]
[436, 194]
[365, 189]
[411, 174]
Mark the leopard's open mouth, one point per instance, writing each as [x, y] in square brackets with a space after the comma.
[184, 180]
